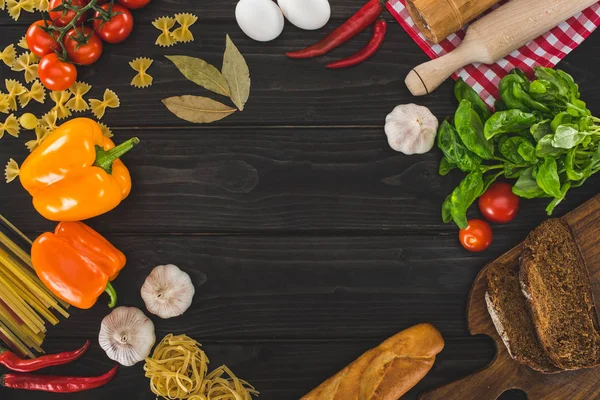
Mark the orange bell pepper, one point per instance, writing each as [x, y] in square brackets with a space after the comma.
[77, 264]
[76, 174]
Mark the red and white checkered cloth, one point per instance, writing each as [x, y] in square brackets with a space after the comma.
[547, 50]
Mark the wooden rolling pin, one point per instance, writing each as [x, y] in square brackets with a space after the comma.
[495, 36]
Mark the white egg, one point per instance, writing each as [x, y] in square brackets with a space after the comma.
[261, 20]
[306, 14]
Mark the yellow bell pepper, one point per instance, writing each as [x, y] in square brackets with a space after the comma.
[76, 174]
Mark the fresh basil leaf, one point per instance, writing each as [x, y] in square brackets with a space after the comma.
[547, 177]
[567, 137]
[462, 91]
[510, 121]
[511, 171]
[455, 151]
[446, 166]
[570, 167]
[446, 213]
[527, 151]
[488, 180]
[555, 202]
[562, 118]
[527, 187]
[463, 196]
[500, 106]
[470, 130]
[509, 148]
[545, 148]
[541, 129]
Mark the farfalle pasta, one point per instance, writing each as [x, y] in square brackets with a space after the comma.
[41, 133]
[110, 100]
[8, 55]
[77, 103]
[36, 93]
[165, 24]
[23, 43]
[60, 104]
[4, 108]
[11, 171]
[27, 62]
[183, 34]
[10, 126]
[14, 89]
[105, 130]
[48, 121]
[142, 79]
[41, 5]
[15, 7]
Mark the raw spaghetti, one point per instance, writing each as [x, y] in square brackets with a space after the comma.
[178, 369]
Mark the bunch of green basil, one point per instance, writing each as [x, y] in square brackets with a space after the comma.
[541, 134]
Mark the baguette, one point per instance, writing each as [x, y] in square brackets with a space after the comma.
[386, 372]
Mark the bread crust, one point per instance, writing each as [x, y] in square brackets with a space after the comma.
[386, 372]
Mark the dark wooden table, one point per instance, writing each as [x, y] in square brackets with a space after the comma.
[309, 239]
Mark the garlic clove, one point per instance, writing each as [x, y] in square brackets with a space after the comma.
[411, 129]
[168, 291]
[127, 335]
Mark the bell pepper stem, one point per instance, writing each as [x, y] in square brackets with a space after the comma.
[105, 158]
[110, 290]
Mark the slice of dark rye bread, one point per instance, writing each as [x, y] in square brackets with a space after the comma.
[555, 281]
[508, 308]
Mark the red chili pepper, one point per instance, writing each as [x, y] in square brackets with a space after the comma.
[355, 25]
[56, 384]
[11, 361]
[367, 52]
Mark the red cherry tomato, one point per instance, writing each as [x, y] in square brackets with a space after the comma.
[134, 4]
[60, 18]
[499, 204]
[39, 41]
[477, 236]
[118, 28]
[56, 74]
[84, 54]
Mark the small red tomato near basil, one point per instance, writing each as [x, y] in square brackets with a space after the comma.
[134, 4]
[83, 46]
[64, 17]
[118, 28]
[56, 74]
[477, 236]
[499, 204]
[39, 41]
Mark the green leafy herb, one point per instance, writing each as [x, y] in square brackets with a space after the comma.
[463, 196]
[462, 91]
[547, 177]
[527, 186]
[454, 150]
[510, 121]
[470, 129]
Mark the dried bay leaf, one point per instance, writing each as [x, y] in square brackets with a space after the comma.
[201, 73]
[237, 74]
[197, 109]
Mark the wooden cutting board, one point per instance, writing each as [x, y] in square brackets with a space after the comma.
[503, 373]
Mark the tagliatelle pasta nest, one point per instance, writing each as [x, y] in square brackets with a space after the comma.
[183, 34]
[77, 103]
[165, 24]
[142, 79]
[110, 100]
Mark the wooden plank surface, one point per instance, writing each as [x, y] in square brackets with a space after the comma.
[309, 240]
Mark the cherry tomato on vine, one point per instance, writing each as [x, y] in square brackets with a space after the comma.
[499, 204]
[56, 74]
[86, 53]
[118, 28]
[39, 41]
[134, 4]
[60, 18]
[477, 236]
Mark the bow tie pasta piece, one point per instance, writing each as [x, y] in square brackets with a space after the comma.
[23, 43]
[27, 62]
[15, 7]
[36, 93]
[77, 103]
[41, 5]
[4, 108]
[60, 104]
[2, 4]
[40, 134]
[110, 100]
[10, 126]
[164, 24]
[183, 34]
[8, 55]
[48, 121]
[106, 132]
[142, 79]
[11, 171]
[14, 89]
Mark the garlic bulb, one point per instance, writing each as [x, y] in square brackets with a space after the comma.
[168, 291]
[127, 335]
[411, 129]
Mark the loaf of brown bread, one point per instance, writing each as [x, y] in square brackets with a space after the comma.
[508, 308]
[386, 372]
[555, 281]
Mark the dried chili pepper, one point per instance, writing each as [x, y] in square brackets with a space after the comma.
[11, 361]
[56, 384]
[368, 51]
[355, 25]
